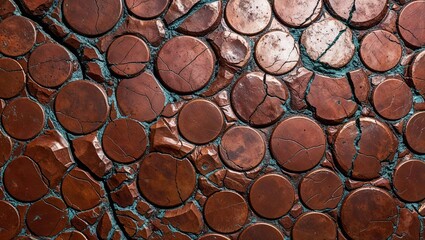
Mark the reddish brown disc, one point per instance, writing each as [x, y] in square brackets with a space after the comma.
[124, 140]
[314, 225]
[417, 72]
[248, 16]
[12, 78]
[213, 236]
[409, 18]
[23, 118]
[5, 149]
[200, 121]
[263, 231]
[10, 222]
[17, 36]
[368, 213]
[73, 235]
[202, 21]
[147, 8]
[226, 211]
[392, 99]
[408, 179]
[297, 13]
[165, 180]
[81, 106]
[298, 143]
[272, 196]
[415, 132]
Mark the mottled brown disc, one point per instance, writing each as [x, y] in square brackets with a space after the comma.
[81, 106]
[185, 64]
[226, 211]
[12, 78]
[124, 140]
[409, 27]
[17, 36]
[298, 143]
[417, 72]
[297, 13]
[276, 52]
[50, 65]
[166, 181]
[263, 231]
[314, 225]
[92, 17]
[10, 222]
[146, 92]
[5, 149]
[409, 179]
[128, 55]
[73, 235]
[258, 98]
[380, 50]
[242, 148]
[200, 121]
[415, 132]
[202, 21]
[47, 217]
[272, 196]
[23, 118]
[248, 16]
[213, 236]
[392, 99]
[368, 213]
[321, 189]
[147, 8]
[23, 180]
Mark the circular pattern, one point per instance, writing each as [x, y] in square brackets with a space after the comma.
[298, 143]
[81, 107]
[147, 8]
[314, 225]
[17, 36]
[392, 99]
[12, 78]
[6, 148]
[10, 222]
[414, 133]
[297, 13]
[272, 196]
[23, 118]
[248, 16]
[200, 121]
[408, 20]
[263, 231]
[408, 178]
[242, 148]
[213, 236]
[417, 72]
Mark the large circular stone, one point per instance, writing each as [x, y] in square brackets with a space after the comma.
[408, 179]
[17, 36]
[10, 221]
[415, 132]
[12, 78]
[248, 16]
[408, 19]
[314, 225]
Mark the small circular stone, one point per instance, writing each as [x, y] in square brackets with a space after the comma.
[23, 118]
[146, 92]
[185, 64]
[272, 196]
[5, 149]
[92, 17]
[314, 225]
[200, 121]
[10, 222]
[73, 235]
[213, 236]
[277, 52]
[128, 55]
[298, 143]
[124, 140]
[12, 78]
[242, 148]
[203, 21]
[166, 181]
[329, 42]
[380, 50]
[81, 106]
[415, 132]
[248, 16]
[408, 20]
[392, 99]
[17, 36]
[23, 180]
[417, 72]
[147, 8]
[226, 211]
[368, 213]
[298, 13]
[408, 179]
[263, 231]
[257, 98]
[47, 217]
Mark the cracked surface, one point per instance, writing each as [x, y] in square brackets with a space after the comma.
[314, 225]
[408, 175]
[12, 78]
[298, 13]
[411, 32]
[248, 16]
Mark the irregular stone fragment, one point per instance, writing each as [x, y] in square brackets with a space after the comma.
[125, 195]
[206, 159]
[187, 218]
[297, 82]
[178, 8]
[360, 83]
[203, 20]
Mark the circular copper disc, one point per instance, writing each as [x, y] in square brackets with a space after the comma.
[10, 222]
[417, 72]
[408, 20]
[203, 21]
[297, 13]
[392, 99]
[263, 231]
[6, 148]
[408, 179]
[213, 236]
[248, 16]
[415, 132]
[17, 36]
[12, 78]
[314, 225]
[147, 8]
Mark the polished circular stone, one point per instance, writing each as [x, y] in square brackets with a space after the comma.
[200, 121]
[81, 106]
[185, 64]
[10, 222]
[272, 196]
[248, 16]
[127, 55]
[408, 19]
[146, 92]
[380, 50]
[23, 118]
[147, 8]
[124, 140]
[392, 99]
[368, 213]
[166, 181]
[72, 235]
[17, 36]
[5, 149]
[23, 180]
[415, 132]
[263, 231]
[321, 189]
[92, 17]
[314, 225]
[12, 78]
[213, 236]
[298, 143]
[276, 52]
[417, 72]
[242, 148]
[408, 179]
[226, 211]
[297, 13]
[203, 21]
